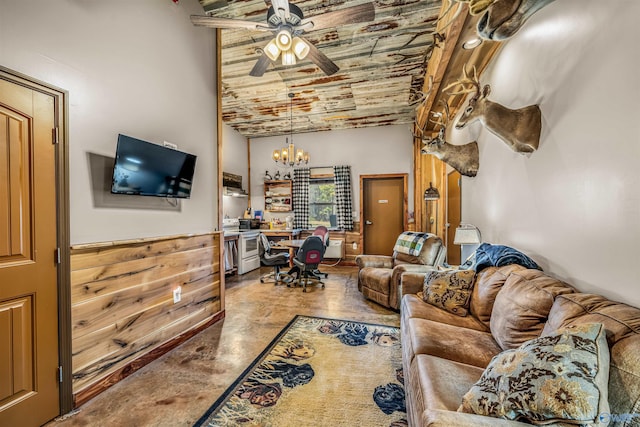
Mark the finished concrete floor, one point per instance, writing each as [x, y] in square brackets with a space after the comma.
[176, 389]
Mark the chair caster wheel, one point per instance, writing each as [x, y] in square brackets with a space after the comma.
[261, 281]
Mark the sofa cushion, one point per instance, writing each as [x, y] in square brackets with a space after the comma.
[414, 306]
[522, 306]
[442, 382]
[559, 377]
[421, 336]
[488, 283]
[620, 320]
[622, 323]
[449, 290]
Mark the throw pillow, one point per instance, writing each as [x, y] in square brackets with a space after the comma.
[449, 290]
[556, 378]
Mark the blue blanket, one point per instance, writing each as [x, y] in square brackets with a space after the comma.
[488, 255]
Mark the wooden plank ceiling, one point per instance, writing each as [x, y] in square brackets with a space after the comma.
[382, 67]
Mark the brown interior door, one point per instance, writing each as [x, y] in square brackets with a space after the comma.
[454, 215]
[29, 393]
[383, 210]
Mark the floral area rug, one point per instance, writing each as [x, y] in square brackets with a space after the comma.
[319, 372]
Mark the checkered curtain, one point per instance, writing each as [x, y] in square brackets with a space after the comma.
[342, 176]
[301, 198]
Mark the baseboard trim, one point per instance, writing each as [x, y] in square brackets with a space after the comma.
[93, 390]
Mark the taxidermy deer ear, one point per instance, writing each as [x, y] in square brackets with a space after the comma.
[486, 90]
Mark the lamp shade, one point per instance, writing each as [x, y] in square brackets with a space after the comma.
[300, 48]
[467, 234]
[288, 57]
[283, 40]
[272, 50]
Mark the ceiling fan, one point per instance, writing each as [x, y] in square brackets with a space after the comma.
[288, 23]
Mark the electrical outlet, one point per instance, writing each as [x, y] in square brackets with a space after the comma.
[177, 295]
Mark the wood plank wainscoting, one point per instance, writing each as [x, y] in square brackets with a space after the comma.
[122, 310]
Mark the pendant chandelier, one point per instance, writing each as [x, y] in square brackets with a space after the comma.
[288, 156]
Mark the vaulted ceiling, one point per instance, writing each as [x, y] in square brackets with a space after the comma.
[382, 68]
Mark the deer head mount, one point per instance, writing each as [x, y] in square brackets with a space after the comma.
[519, 129]
[463, 158]
[501, 19]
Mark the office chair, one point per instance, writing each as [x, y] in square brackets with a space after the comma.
[275, 260]
[307, 259]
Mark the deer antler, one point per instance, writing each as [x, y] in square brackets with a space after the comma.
[465, 80]
[476, 7]
[447, 114]
[418, 96]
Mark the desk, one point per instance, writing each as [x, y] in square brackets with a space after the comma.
[290, 246]
[277, 235]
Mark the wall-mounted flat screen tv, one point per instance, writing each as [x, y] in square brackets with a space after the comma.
[147, 169]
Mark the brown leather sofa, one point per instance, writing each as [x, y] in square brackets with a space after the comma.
[445, 354]
[379, 275]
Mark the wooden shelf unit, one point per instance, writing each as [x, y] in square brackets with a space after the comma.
[278, 196]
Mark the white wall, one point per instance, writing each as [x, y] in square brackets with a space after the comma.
[377, 150]
[574, 205]
[235, 160]
[134, 67]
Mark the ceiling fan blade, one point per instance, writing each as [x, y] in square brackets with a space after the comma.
[320, 59]
[362, 13]
[281, 7]
[212, 22]
[261, 66]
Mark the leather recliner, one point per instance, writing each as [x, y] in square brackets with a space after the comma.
[379, 275]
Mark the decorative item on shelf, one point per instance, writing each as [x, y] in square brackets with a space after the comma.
[277, 175]
[519, 129]
[287, 176]
[267, 176]
[288, 156]
[431, 193]
[512, 15]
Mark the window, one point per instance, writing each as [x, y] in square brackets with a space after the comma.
[322, 202]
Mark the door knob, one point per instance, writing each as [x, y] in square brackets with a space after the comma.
[368, 222]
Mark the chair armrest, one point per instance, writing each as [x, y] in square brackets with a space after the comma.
[444, 418]
[397, 289]
[412, 282]
[376, 261]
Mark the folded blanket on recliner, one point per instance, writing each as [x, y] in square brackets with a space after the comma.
[410, 242]
[488, 255]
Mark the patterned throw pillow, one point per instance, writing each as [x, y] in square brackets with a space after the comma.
[556, 378]
[449, 290]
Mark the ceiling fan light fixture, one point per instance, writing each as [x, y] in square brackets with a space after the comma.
[272, 50]
[288, 57]
[283, 40]
[300, 48]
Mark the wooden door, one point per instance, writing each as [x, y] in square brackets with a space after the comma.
[29, 394]
[453, 215]
[383, 212]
